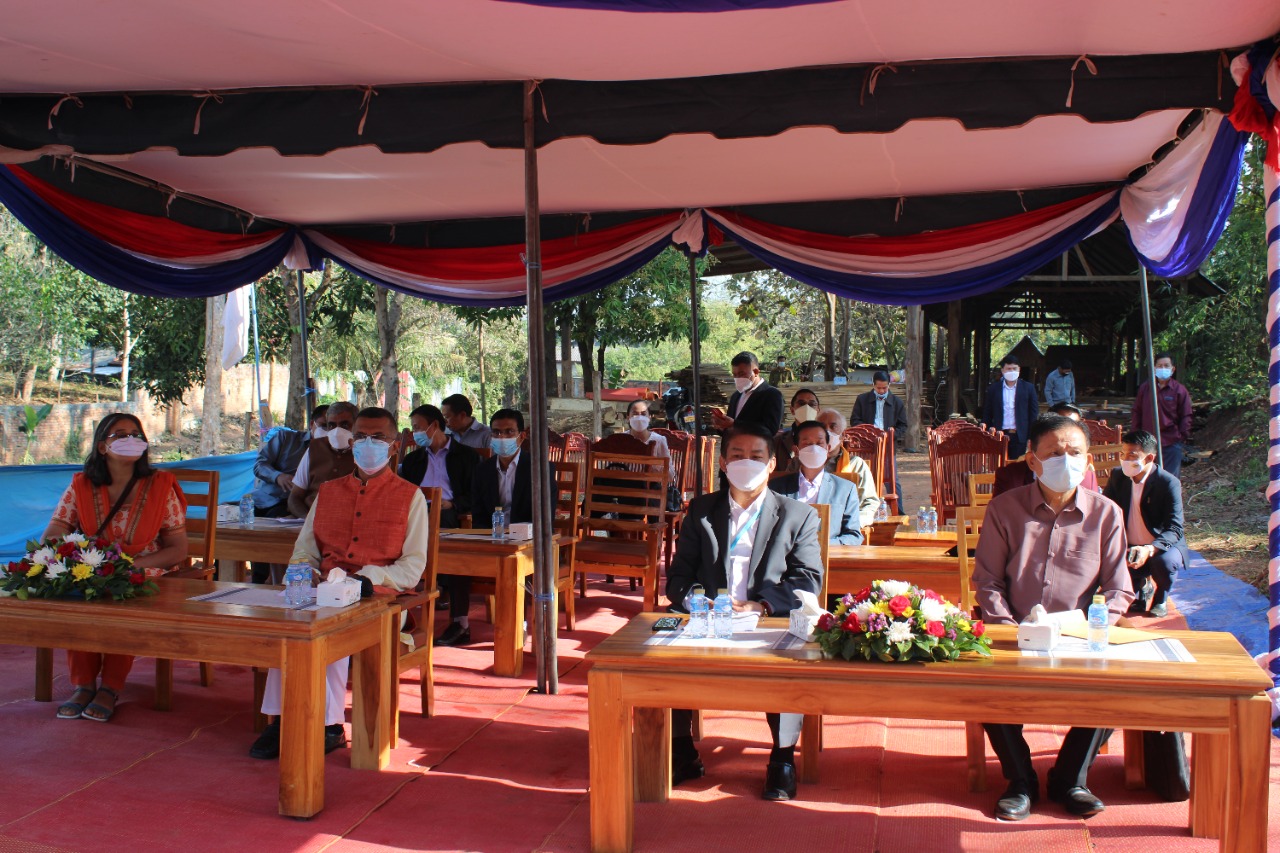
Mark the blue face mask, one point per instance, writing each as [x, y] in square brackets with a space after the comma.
[421, 439]
[1164, 374]
[370, 454]
[504, 446]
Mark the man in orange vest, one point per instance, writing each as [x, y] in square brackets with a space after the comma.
[373, 525]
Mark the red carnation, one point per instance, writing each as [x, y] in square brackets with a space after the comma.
[17, 569]
[826, 621]
[852, 625]
[936, 629]
[928, 593]
[66, 549]
[101, 544]
[899, 604]
[979, 629]
[863, 594]
[106, 570]
[137, 578]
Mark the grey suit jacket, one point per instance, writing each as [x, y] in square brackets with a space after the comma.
[837, 493]
[785, 556]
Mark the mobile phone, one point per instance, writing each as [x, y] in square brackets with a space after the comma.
[1132, 556]
[667, 623]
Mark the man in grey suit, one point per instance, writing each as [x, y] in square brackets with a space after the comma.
[813, 484]
[761, 548]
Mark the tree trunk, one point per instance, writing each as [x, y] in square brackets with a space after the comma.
[211, 421]
[566, 359]
[604, 376]
[126, 349]
[388, 306]
[846, 330]
[56, 366]
[484, 394]
[295, 407]
[914, 369]
[28, 382]
[586, 352]
[953, 357]
[829, 335]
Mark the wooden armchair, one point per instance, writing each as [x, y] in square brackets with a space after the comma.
[202, 535]
[1101, 433]
[867, 443]
[681, 446]
[980, 489]
[413, 642]
[1105, 458]
[958, 455]
[565, 487]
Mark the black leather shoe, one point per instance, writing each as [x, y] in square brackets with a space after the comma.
[335, 737]
[1016, 802]
[779, 781]
[454, 635]
[1079, 801]
[267, 745]
[683, 771]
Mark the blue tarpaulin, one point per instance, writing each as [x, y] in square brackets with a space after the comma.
[1212, 600]
[32, 491]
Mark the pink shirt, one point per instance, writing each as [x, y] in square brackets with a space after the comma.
[1027, 556]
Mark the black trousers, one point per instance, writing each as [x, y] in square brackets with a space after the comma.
[1075, 757]
[784, 729]
[1161, 568]
[262, 571]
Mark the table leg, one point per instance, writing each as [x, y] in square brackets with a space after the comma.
[1208, 781]
[1244, 827]
[810, 744]
[651, 748]
[371, 704]
[44, 675]
[1135, 763]
[302, 729]
[612, 791]
[975, 749]
[508, 621]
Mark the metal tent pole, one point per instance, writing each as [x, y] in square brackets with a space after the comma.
[1151, 364]
[544, 562]
[695, 353]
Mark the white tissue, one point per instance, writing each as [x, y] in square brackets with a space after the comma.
[1041, 630]
[338, 590]
[804, 619]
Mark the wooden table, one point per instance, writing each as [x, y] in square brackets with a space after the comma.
[1219, 698]
[299, 644]
[910, 537]
[851, 567]
[507, 563]
[264, 541]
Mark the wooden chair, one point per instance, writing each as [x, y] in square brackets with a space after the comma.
[1101, 433]
[568, 477]
[980, 488]
[407, 446]
[633, 489]
[957, 455]
[202, 535]
[947, 428]
[555, 446]
[889, 488]
[968, 525]
[680, 444]
[414, 647]
[867, 443]
[620, 443]
[1105, 458]
[710, 453]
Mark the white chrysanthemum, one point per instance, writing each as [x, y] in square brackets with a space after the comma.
[92, 558]
[44, 556]
[77, 539]
[864, 610]
[933, 611]
[899, 632]
[57, 568]
[892, 588]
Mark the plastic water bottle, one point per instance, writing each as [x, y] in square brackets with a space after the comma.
[922, 520]
[246, 510]
[297, 584]
[882, 511]
[699, 607]
[1099, 621]
[722, 616]
[499, 524]
[932, 520]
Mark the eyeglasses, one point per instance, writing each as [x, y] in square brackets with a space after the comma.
[505, 433]
[112, 436]
[377, 436]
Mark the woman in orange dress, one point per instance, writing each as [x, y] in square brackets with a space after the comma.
[121, 498]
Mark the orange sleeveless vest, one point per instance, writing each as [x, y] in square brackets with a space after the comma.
[362, 524]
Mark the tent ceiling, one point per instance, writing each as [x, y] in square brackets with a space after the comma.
[148, 45]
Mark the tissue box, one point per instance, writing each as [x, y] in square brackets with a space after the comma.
[228, 512]
[803, 624]
[523, 530]
[1038, 636]
[343, 593]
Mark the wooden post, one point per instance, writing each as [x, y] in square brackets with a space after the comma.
[211, 416]
[953, 357]
[914, 370]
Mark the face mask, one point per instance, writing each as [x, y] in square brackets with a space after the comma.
[743, 385]
[504, 446]
[883, 396]
[370, 454]
[339, 438]
[1164, 374]
[318, 432]
[1132, 467]
[1062, 473]
[782, 364]
[639, 423]
[813, 456]
[127, 448]
[1011, 375]
[747, 474]
[421, 439]
[806, 413]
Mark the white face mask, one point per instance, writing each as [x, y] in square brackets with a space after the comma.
[1011, 375]
[743, 385]
[339, 438]
[813, 456]
[318, 431]
[127, 448]
[1063, 473]
[1133, 467]
[747, 474]
[806, 413]
[639, 423]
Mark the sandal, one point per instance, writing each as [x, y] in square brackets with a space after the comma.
[101, 713]
[71, 709]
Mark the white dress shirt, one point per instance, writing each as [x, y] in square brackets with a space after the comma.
[1136, 528]
[880, 401]
[1010, 398]
[808, 492]
[742, 398]
[743, 524]
[507, 484]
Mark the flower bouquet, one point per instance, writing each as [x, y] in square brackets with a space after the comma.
[75, 566]
[895, 621]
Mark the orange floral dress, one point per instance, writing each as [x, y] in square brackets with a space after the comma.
[156, 507]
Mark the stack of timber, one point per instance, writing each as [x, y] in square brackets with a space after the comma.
[717, 383]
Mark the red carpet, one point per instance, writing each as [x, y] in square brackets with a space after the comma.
[501, 768]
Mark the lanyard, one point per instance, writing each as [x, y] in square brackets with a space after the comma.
[743, 529]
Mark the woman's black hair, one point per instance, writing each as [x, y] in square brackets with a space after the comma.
[95, 467]
[638, 400]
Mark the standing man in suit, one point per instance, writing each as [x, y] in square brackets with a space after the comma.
[1011, 406]
[754, 402]
[500, 482]
[761, 548]
[879, 408]
[811, 484]
[1151, 500]
[440, 460]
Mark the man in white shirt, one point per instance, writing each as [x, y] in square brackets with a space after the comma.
[762, 548]
[1011, 406]
[753, 401]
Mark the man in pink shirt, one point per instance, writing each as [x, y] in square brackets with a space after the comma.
[1056, 544]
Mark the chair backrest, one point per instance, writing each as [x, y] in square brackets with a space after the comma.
[980, 488]
[710, 452]
[1105, 458]
[968, 525]
[632, 488]
[824, 546]
[956, 456]
[435, 497]
[407, 446]
[867, 443]
[951, 427]
[889, 470]
[1101, 433]
[202, 533]
[680, 443]
[621, 443]
[555, 446]
[566, 486]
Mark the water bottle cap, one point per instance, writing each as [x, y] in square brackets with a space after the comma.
[1099, 599]
[722, 591]
[697, 587]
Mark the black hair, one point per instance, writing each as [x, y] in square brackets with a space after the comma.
[458, 403]
[879, 376]
[633, 402]
[745, 357]
[799, 428]
[1140, 438]
[508, 415]
[319, 412]
[376, 413]
[1161, 355]
[1063, 408]
[95, 466]
[808, 391]
[1066, 364]
[1046, 424]
[1009, 359]
[429, 413]
[749, 429]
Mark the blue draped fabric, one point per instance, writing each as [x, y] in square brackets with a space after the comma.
[974, 281]
[32, 491]
[123, 270]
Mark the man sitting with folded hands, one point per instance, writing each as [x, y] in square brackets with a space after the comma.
[373, 525]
